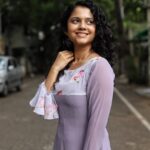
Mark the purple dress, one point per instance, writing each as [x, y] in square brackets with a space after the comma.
[84, 97]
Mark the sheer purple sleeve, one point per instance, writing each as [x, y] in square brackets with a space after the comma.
[99, 92]
[44, 103]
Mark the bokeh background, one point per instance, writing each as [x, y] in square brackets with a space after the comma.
[29, 32]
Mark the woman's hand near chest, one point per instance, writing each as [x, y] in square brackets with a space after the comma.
[62, 59]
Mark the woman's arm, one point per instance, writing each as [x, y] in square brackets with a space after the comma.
[51, 78]
[99, 94]
[44, 102]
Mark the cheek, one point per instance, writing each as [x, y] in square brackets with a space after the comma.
[70, 29]
[71, 33]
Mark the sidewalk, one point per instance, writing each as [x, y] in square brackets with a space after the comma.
[138, 89]
[129, 124]
[143, 91]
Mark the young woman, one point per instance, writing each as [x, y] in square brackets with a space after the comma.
[79, 87]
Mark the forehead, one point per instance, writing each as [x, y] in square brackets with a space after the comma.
[82, 12]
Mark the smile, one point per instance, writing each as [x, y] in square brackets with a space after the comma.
[81, 34]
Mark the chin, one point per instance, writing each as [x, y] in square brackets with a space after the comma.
[82, 40]
[82, 43]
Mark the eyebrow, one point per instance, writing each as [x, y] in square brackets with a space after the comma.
[79, 18]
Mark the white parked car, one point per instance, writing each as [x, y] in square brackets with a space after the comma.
[11, 74]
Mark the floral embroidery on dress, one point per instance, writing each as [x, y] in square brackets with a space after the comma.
[51, 110]
[40, 103]
[78, 76]
[59, 92]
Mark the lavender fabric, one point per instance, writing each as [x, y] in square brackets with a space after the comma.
[84, 97]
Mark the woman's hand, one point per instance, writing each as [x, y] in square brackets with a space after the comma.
[62, 59]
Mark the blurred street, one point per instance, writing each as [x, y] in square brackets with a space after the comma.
[21, 129]
[30, 34]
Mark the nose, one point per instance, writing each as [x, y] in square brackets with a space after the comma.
[83, 25]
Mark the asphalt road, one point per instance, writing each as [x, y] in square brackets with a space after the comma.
[21, 129]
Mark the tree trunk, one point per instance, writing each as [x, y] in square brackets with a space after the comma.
[122, 49]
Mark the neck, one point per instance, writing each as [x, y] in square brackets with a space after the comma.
[81, 53]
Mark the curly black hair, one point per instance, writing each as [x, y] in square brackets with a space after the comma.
[102, 43]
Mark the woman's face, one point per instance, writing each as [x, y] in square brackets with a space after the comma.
[81, 27]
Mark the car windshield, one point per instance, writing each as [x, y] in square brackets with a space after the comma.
[2, 64]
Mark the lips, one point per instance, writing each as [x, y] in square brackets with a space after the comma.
[81, 34]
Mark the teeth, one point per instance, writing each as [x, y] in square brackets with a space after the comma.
[81, 34]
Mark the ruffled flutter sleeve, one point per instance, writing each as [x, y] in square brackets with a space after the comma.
[44, 103]
[99, 93]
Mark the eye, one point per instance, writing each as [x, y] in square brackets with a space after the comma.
[75, 20]
[90, 21]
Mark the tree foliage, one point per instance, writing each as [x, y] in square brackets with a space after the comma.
[42, 14]
[134, 10]
[37, 15]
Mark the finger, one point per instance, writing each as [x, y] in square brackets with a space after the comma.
[64, 58]
[64, 52]
[70, 58]
[69, 55]
[67, 52]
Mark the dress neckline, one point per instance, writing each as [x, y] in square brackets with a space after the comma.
[70, 70]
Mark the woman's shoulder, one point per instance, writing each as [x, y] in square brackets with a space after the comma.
[99, 61]
[102, 61]
[100, 64]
